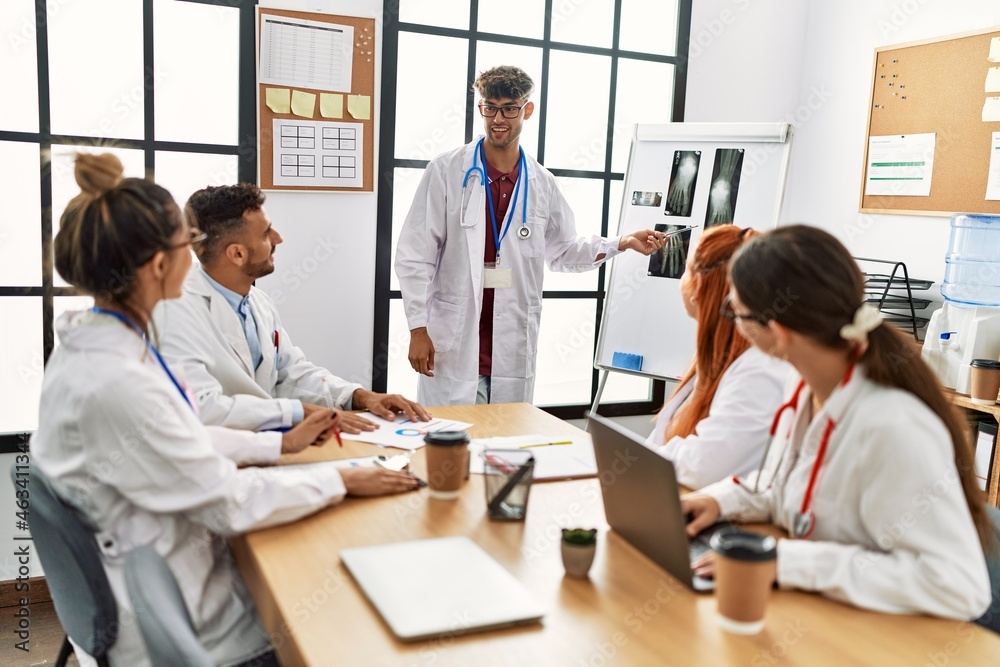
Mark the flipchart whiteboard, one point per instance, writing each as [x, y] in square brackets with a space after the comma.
[643, 313]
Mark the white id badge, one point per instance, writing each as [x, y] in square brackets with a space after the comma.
[495, 278]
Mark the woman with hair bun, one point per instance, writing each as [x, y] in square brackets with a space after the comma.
[871, 472]
[119, 437]
[715, 423]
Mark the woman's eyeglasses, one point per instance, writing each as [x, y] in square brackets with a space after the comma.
[727, 312]
[509, 111]
[197, 237]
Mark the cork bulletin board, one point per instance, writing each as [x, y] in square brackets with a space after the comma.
[316, 101]
[938, 86]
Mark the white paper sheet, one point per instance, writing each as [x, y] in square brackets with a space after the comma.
[403, 433]
[308, 54]
[551, 461]
[317, 153]
[984, 452]
[900, 165]
[994, 55]
[991, 110]
[993, 80]
[993, 176]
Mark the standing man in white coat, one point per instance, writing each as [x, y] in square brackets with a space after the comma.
[225, 335]
[471, 258]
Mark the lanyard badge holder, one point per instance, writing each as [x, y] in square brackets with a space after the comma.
[494, 275]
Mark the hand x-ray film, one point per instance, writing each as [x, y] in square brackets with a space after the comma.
[669, 261]
[683, 177]
[725, 186]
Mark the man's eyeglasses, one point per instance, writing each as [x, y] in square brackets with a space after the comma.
[197, 237]
[727, 312]
[508, 111]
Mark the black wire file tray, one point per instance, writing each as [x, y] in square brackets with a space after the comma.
[892, 293]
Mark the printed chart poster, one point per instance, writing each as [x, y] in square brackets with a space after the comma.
[683, 177]
[318, 154]
[669, 261]
[725, 187]
[900, 165]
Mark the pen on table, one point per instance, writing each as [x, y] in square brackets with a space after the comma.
[336, 431]
[546, 444]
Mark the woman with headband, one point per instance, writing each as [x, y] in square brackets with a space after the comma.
[871, 471]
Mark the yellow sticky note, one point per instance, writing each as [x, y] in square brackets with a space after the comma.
[360, 106]
[993, 80]
[331, 105]
[991, 110]
[303, 104]
[277, 99]
[994, 55]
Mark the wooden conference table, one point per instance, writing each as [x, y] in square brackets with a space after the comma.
[630, 611]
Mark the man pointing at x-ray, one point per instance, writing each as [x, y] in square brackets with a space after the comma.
[471, 256]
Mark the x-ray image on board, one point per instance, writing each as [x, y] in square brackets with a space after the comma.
[669, 261]
[725, 187]
[683, 177]
[653, 199]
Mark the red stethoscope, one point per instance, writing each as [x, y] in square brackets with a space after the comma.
[803, 521]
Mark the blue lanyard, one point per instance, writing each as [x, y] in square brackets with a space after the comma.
[156, 353]
[522, 175]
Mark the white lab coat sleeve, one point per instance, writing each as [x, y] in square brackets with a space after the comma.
[302, 380]
[738, 503]
[731, 438]
[566, 251]
[188, 350]
[420, 242]
[245, 448]
[166, 463]
[913, 507]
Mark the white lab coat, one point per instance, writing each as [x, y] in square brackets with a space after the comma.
[892, 530]
[730, 440]
[439, 262]
[201, 335]
[121, 444]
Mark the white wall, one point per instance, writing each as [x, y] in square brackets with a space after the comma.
[324, 277]
[810, 63]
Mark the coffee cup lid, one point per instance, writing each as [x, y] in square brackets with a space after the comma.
[991, 364]
[741, 545]
[447, 438]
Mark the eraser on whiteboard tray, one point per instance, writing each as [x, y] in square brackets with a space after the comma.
[626, 361]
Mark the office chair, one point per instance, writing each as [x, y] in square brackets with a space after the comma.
[163, 616]
[68, 551]
[991, 619]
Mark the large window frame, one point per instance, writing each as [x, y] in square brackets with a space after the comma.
[388, 162]
[245, 149]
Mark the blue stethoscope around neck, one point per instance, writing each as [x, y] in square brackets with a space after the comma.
[127, 321]
[479, 168]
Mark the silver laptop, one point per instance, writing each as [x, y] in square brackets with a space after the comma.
[642, 501]
[444, 586]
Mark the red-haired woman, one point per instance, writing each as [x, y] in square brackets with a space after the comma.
[715, 424]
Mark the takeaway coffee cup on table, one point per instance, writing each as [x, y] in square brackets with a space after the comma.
[447, 456]
[744, 574]
[984, 378]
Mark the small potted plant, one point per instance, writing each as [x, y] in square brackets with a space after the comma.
[578, 548]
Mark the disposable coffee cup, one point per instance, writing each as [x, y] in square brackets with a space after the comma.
[744, 574]
[447, 456]
[984, 376]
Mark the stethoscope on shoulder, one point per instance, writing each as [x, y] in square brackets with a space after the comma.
[127, 321]
[478, 169]
[803, 521]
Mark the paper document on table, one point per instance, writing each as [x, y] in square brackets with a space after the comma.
[403, 433]
[306, 54]
[552, 461]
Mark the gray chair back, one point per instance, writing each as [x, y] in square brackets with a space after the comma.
[74, 573]
[991, 619]
[163, 616]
